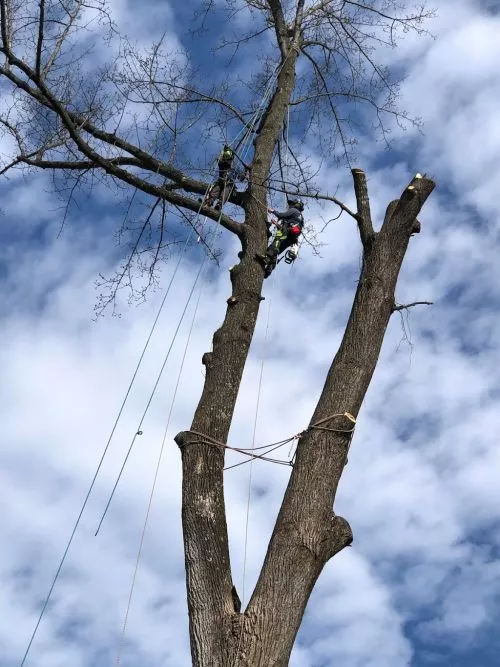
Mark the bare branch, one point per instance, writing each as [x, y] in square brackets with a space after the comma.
[39, 44]
[405, 306]
[74, 123]
[279, 24]
[319, 197]
[363, 217]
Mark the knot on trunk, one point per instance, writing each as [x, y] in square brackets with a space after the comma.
[181, 439]
[338, 535]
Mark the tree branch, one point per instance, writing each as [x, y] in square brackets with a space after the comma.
[39, 44]
[279, 25]
[363, 216]
[74, 122]
[317, 196]
[405, 306]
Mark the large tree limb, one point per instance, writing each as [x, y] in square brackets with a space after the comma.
[304, 536]
[44, 96]
[74, 123]
[209, 582]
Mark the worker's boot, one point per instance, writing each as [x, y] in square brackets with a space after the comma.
[263, 259]
[269, 268]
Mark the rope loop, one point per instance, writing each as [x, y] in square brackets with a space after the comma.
[205, 439]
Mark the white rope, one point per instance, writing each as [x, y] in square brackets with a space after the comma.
[103, 455]
[153, 488]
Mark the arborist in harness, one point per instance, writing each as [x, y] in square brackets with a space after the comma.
[221, 189]
[288, 231]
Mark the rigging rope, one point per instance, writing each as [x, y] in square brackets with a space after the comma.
[103, 455]
[138, 431]
[248, 451]
[153, 391]
[157, 469]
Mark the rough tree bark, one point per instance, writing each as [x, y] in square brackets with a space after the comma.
[306, 534]
[209, 583]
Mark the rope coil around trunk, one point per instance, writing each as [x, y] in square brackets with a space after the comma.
[248, 451]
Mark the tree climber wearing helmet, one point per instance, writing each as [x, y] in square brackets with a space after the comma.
[223, 186]
[287, 234]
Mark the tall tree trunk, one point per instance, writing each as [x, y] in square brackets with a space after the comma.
[208, 575]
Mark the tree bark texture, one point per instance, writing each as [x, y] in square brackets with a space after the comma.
[307, 533]
[209, 584]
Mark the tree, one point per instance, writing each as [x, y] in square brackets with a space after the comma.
[80, 127]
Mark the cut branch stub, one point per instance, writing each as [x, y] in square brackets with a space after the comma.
[363, 216]
[403, 213]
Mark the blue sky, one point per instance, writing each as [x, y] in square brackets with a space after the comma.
[420, 585]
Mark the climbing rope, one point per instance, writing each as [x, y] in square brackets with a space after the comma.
[265, 97]
[138, 431]
[155, 478]
[103, 455]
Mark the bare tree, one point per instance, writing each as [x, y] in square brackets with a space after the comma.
[117, 124]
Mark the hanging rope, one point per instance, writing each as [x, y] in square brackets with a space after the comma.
[153, 391]
[106, 448]
[153, 488]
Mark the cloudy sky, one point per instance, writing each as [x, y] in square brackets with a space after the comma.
[421, 584]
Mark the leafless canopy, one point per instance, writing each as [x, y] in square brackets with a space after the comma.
[146, 120]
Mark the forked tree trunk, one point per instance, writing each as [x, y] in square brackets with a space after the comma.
[307, 534]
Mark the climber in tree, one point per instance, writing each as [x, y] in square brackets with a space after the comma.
[288, 231]
[223, 186]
